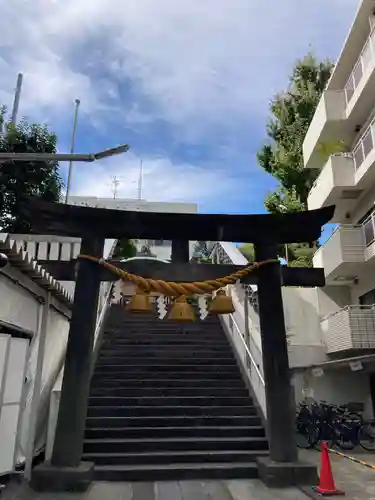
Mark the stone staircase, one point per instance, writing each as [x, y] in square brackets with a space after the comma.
[168, 401]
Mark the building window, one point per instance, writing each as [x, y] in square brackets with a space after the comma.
[368, 228]
[367, 299]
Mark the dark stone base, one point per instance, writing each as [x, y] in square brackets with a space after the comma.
[284, 474]
[47, 477]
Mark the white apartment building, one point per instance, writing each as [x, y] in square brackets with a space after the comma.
[346, 112]
[159, 248]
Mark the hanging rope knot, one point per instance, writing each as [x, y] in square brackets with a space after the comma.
[172, 289]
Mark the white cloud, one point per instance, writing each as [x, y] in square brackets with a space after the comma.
[163, 180]
[200, 64]
[208, 68]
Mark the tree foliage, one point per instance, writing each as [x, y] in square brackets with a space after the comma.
[292, 112]
[282, 157]
[125, 249]
[247, 250]
[20, 179]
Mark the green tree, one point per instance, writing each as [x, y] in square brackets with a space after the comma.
[247, 250]
[293, 110]
[125, 249]
[20, 179]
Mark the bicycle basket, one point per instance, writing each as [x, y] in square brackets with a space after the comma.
[355, 407]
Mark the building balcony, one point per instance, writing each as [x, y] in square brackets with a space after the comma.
[342, 255]
[335, 185]
[345, 255]
[351, 328]
[346, 176]
[360, 84]
[341, 112]
[326, 125]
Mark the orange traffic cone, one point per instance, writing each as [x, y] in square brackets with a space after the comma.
[326, 486]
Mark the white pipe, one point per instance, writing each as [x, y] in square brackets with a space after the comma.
[42, 334]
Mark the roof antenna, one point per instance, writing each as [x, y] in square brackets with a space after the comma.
[115, 184]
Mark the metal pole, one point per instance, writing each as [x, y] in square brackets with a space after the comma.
[77, 101]
[16, 101]
[43, 330]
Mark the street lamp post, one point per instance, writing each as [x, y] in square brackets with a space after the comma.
[72, 150]
[47, 157]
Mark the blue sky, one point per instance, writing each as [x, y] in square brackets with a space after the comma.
[186, 84]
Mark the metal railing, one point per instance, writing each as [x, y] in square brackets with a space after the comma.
[352, 327]
[368, 226]
[350, 307]
[248, 353]
[243, 325]
[363, 62]
[364, 145]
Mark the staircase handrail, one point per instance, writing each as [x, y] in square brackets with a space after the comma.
[253, 362]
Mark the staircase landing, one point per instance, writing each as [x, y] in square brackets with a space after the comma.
[171, 490]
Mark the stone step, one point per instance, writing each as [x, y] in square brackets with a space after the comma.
[170, 457]
[167, 361]
[173, 444]
[160, 373]
[172, 411]
[187, 368]
[174, 421]
[161, 340]
[173, 432]
[165, 352]
[162, 383]
[144, 391]
[160, 401]
[176, 471]
[157, 324]
[162, 334]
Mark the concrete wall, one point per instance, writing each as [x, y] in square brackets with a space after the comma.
[19, 306]
[366, 282]
[305, 338]
[331, 299]
[338, 386]
[365, 203]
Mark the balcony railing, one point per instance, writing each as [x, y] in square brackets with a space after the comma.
[353, 327]
[363, 62]
[364, 146]
[369, 229]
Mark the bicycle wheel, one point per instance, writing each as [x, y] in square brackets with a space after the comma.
[304, 435]
[345, 440]
[324, 433]
[366, 435]
[355, 417]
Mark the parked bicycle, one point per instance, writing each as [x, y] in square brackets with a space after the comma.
[340, 425]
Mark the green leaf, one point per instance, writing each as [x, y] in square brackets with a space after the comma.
[19, 179]
[292, 110]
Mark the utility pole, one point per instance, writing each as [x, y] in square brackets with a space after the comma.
[77, 101]
[17, 97]
[140, 180]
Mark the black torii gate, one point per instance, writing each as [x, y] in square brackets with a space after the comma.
[94, 225]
